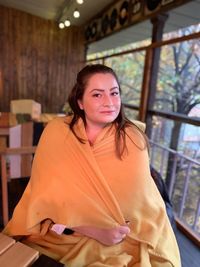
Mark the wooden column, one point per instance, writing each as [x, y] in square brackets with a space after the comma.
[157, 33]
[145, 85]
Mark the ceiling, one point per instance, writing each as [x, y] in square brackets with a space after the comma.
[59, 10]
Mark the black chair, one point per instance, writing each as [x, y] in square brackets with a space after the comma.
[164, 193]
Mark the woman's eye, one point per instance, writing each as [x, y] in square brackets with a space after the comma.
[96, 95]
[115, 93]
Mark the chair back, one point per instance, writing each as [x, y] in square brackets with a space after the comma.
[5, 172]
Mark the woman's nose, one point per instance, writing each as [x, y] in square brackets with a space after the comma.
[107, 101]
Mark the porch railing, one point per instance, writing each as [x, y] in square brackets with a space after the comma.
[184, 186]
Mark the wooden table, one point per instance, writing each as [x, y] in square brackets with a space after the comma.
[17, 254]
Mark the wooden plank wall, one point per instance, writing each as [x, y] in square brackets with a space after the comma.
[37, 59]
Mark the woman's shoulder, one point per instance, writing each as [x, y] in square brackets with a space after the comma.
[57, 126]
[136, 135]
[56, 130]
[59, 122]
[139, 124]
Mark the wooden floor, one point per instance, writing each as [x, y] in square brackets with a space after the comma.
[190, 253]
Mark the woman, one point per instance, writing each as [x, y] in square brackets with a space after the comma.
[91, 200]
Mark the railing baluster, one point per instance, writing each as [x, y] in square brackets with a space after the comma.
[185, 189]
[162, 162]
[152, 155]
[196, 216]
[173, 177]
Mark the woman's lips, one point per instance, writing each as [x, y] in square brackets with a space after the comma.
[107, 111]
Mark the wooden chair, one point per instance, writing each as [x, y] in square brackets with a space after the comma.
[5, 175]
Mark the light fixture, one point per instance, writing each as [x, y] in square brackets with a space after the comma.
[80, 2]
[61, 25]
[76, 13]
[67, 22]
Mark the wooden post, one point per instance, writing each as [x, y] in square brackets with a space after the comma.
[157, 33]
[145, 85]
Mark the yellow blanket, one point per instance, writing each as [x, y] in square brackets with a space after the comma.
[75, 184]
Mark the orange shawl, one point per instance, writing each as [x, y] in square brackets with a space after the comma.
[75, 184]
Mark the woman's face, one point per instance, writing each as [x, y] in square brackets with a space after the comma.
[101, 100]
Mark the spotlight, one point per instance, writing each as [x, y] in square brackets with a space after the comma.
[61, 25]
[80, 2]
[76, 13]
[67, 23]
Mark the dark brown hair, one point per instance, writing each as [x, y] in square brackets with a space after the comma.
[121, 122]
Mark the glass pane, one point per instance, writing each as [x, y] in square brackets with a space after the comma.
[129, 69]
[180, 137]
[187, 177]
[131, 113]
[96, 61]
[162, 130]
[183, 137]
[119, 49]
[178, 87]
[179, 166]
[182, 32]
[186, 191]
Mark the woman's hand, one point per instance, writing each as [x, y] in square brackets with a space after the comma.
[105, 236]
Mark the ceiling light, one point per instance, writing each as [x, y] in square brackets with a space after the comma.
[80, 2]
[76, 13]
[61, 25]
[67, 23]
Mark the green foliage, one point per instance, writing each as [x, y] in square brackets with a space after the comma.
[130, 73]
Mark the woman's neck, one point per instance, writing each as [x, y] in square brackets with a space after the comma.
[92, 132]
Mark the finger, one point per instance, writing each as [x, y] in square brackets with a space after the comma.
[118, 240]
[45, 226]
[124, 230]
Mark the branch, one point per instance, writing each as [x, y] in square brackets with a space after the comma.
[189, 56]
[175, 58]
[129, 87]
[165, 100]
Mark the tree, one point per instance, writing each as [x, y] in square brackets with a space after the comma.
[179, 80]
[129, 69]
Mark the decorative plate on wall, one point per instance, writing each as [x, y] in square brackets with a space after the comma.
[113, 19]
[123, 13]
[88, 33]
[94, 29]
[105, 24]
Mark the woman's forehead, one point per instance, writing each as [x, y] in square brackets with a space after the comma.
[100, 78]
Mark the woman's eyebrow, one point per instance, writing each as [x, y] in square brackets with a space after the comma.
[102, 90]
[99, 90]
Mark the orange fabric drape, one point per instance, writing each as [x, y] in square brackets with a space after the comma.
[75, 184]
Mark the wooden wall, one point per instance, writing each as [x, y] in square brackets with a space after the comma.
[37, 59]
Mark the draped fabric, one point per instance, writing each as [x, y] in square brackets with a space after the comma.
[76, 184]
